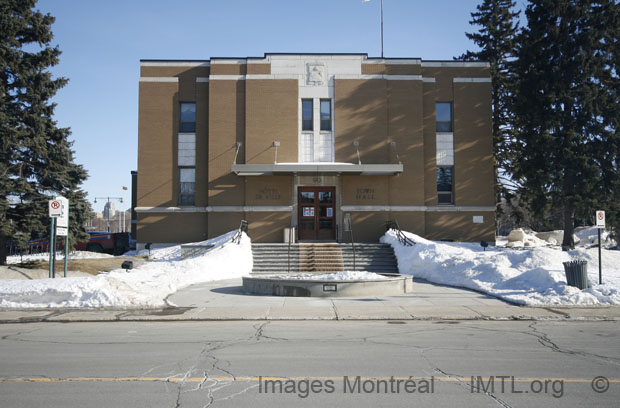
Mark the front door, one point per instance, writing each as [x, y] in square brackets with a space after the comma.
[316, 219]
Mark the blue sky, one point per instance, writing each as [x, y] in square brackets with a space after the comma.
[102, 43]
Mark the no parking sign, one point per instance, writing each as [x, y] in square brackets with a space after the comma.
[600, 219]
[55, 208]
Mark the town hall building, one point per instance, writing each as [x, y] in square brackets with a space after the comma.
[305, 141]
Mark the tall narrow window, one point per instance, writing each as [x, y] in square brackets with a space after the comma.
[445, 182]
[326, 114]
[187, 178]
[443, 114]
[188, 118]
[306, 114]
[187, 149]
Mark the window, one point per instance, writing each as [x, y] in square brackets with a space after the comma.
[443, 116]
[445, 149]
[326, 114]
[307, 147]
[306, 114]
[187, 150]
[316, 139]
[188, 118]
[445, 179]
[325, 147]
[187, 178]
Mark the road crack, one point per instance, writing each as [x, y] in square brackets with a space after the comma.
[545, 341]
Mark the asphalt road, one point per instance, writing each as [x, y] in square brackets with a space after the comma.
[310, 364]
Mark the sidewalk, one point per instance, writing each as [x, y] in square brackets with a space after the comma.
[224, 300]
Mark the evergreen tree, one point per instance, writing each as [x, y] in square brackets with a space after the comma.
[36, 160]
[496, 39]
[567, 113]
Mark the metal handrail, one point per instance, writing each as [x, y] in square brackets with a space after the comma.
[348, 226]
[243, 227]
[353, 247]
[402, 238]
[291, 235]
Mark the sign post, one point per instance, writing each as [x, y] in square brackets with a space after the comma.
[600, 224]
[62, 227]
[50, 247]
[58, 209]
[55, 211]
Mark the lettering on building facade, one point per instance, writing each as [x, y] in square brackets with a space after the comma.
[268, 193]
[365, 193]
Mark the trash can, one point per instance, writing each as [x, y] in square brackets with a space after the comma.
[577, 273]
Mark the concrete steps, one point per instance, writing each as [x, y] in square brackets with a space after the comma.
[272, 258]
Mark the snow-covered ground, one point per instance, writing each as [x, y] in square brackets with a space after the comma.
[338, 276]
[146, 286]
[45, 256]
[524, 276]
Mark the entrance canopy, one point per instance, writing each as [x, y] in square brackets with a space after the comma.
[314, 168]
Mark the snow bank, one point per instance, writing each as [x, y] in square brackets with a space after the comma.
[589, 236]
[45, 256]
[145, 286]
[529, 277]
[346, 275]
[583, 237]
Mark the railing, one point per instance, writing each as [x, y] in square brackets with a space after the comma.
[291, 238]
[402, 238]
[348, 226]
[243, 227]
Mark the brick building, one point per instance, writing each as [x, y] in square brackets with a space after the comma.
[303, 139]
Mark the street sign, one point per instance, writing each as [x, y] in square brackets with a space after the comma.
[63, 219]
[600, 219]
[55, 208]
[61, 231]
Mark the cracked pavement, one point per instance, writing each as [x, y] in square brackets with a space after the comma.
[224, 364]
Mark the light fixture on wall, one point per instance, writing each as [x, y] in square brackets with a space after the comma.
[276, 144]
[357, 145]
[393, 146]
[239, 144]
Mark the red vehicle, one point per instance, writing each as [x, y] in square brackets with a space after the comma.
[115, 243]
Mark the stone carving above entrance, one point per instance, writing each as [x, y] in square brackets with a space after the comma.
[315, 74]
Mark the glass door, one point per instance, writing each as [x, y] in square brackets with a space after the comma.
[317, 213]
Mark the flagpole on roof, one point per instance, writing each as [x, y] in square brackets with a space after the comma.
[381, 28]
[368, 1]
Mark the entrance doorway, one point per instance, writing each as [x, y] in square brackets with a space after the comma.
[317, 213]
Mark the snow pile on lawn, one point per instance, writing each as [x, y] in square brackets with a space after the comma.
[522, 238]
[145, 286]
[345, 276]
[589, 236]
[45, 256]
[583, 237]
[528, 277]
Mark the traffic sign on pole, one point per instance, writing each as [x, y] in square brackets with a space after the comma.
[600, 219]
[63, 219]
[55, 208]
[600, 224]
